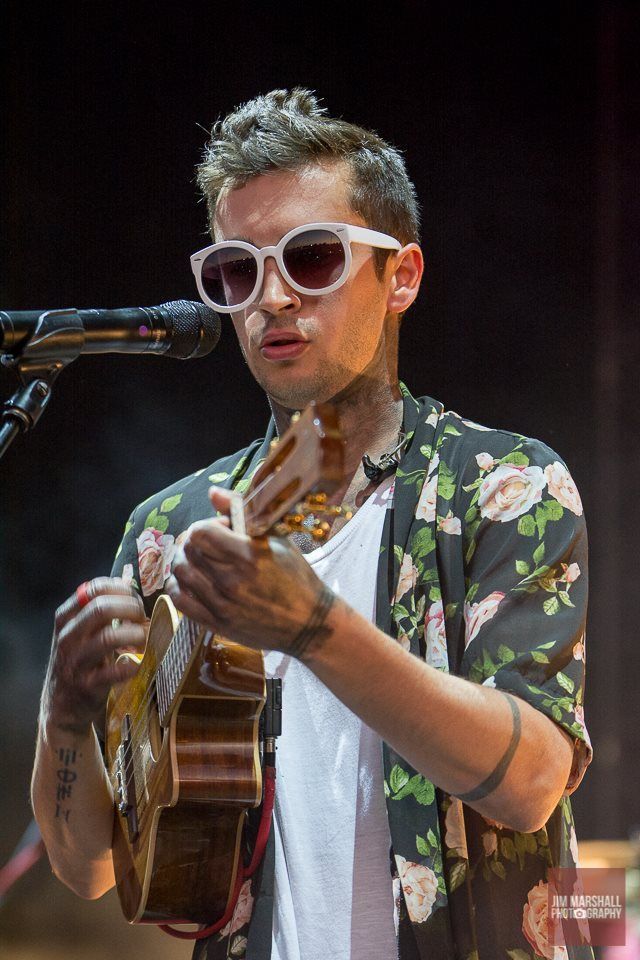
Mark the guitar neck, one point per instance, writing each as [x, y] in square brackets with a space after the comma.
[174, 665]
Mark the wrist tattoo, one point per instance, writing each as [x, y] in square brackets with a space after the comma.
[497, 776]
[315, 631]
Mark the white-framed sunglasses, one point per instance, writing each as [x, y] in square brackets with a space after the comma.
[314, 259]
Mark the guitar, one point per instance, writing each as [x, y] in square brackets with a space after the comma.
[182, 747]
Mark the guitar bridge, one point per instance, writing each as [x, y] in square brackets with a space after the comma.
[125, 781]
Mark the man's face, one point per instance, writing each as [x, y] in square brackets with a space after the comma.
[342, 333]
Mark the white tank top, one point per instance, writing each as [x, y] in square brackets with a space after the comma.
[333, 889]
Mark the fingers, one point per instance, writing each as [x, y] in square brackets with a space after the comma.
[221, 499]
[100, 586]
[186, 600]
[215, 540]
[109, 641]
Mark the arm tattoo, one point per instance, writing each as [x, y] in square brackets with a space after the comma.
[497, 776]
[66, 777]
[314, 631]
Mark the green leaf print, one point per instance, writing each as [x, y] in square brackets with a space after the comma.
[450, 429]
[157, 521]
[152, 518]
[458, 874]
[170, 503]
[565, 682]
[508, 849]
[522, 567]
[418, 787]
[446, 482]
[518, 954]
[397, 778]
[564, 596]
[422, 847]
[517, 458]
[399, 611]
[218, 477]
[526, 526]
[538, 554]
[551, 606]
[471, 592]
[538, 656]
[423, 543]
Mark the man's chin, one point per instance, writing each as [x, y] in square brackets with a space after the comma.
[296, 392]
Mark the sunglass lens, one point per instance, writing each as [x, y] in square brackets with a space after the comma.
[314, 259]
[229, 276]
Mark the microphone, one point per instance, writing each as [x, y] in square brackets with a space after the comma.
[180, 328]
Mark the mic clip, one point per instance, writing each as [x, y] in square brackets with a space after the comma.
[388, 461]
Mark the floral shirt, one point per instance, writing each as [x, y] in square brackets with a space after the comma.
[482, 573]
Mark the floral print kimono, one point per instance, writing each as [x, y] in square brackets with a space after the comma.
[482, 573]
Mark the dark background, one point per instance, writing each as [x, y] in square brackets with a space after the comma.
[519, 123]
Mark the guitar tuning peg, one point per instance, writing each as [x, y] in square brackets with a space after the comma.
[295, 416]
[274, 443]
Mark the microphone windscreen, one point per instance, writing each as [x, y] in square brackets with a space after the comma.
[194, 328]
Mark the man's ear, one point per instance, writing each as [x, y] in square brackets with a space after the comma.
[405, 278]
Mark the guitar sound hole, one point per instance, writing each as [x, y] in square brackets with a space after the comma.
[156, 732]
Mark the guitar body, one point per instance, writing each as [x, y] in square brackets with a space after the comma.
[189, 778]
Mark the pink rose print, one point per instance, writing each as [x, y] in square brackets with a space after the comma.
[155, 551]
[408, 575]
[562, 487]
[420, 888]
[477, 614]
[426, 509]
[509, 491]
[455, 837]
[571, 572]
[435, 636]
[489, 842]
[242, 912]
[450, 524]
[535, 923]
[485, 461]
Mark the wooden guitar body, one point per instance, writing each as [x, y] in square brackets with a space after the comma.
[189, 782]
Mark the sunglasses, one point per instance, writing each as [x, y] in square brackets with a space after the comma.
[314, 259]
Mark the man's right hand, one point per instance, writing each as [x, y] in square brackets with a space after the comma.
[83, 666]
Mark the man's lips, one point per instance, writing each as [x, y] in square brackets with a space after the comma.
[282, 345]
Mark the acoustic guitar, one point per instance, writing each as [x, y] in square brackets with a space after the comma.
[182, 745]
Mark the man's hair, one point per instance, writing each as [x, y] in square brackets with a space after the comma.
[286, 130]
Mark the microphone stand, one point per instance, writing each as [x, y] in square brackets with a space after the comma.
[56, 342]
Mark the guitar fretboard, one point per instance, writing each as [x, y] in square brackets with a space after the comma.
[174, 664]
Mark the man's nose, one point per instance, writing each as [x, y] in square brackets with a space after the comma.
[276, 294]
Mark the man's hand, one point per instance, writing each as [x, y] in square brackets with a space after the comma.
[82, 667]
[257, 591]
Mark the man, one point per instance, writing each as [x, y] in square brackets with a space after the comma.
[441, 627]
